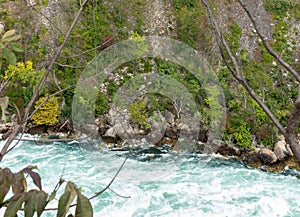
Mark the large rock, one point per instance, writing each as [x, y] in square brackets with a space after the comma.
[281, 150]
[267, 156]
[171, 132]
[90, 130]
[228, 150]
[111, 116]
[102, 128]
[110, 136]
[158, 128]
[252, 159]
[170, 117]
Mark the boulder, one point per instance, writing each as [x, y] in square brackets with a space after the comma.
[267, 156]
[213, 146]
[252, 159]
[101, 126]
[169, 116]
[158, 128]
[89, 130]
[171, 132]
[125, 130]
[110, 117]
[228, 150]
[280, 150]
[110, 136]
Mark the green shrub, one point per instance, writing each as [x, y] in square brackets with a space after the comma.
[138, 114]
[241, 135]
[101, 104]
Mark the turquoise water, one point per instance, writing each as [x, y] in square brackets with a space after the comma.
[161, 183]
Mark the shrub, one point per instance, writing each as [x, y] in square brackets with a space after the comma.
[47, 113]
[137, 114]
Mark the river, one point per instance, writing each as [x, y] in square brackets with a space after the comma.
[161, 183]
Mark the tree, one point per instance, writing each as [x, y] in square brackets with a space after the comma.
[233, 66]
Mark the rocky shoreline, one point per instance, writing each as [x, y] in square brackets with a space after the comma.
[109, 130]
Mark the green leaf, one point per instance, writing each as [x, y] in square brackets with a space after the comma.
[66, 199]
[41, 202]
[84, 207]
[19, 183]
[30, 199]
[9, 56]
[12, 38]
[15, 47]
[52, 196]
[64, 204]
[9, 33]
[14, 205]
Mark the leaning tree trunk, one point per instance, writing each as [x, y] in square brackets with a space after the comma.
[291, 136]
[233, 66]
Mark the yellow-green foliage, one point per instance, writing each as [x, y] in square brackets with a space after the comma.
[47, 113]
[137, 113]
[23, 80]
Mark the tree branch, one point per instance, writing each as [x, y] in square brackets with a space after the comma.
[41, 84]
[236, 72]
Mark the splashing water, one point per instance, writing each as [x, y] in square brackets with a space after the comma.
[219, 187]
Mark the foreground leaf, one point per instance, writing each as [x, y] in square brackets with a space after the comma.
[9, 56]
[30, 199]
[12, 38]
[84, 207]
[19, 183]
[35, 177]
[66, 199]
[14, 205]
[41, 202]
[6, 177]
[16, 47]
[52, 196]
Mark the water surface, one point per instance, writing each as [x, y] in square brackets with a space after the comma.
[182, 186]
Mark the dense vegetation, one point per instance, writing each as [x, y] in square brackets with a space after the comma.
[105, 23]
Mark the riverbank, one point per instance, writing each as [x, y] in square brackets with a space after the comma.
[276, 159]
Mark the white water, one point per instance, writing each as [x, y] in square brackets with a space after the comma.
[188, 188]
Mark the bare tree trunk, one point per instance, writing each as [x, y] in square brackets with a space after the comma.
[293, 122]
[21, 127]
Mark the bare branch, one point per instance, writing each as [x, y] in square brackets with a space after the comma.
[69, 66]
[87, 51]
[236, 72]
[41, 84]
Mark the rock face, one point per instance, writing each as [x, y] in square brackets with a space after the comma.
[267, 156]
